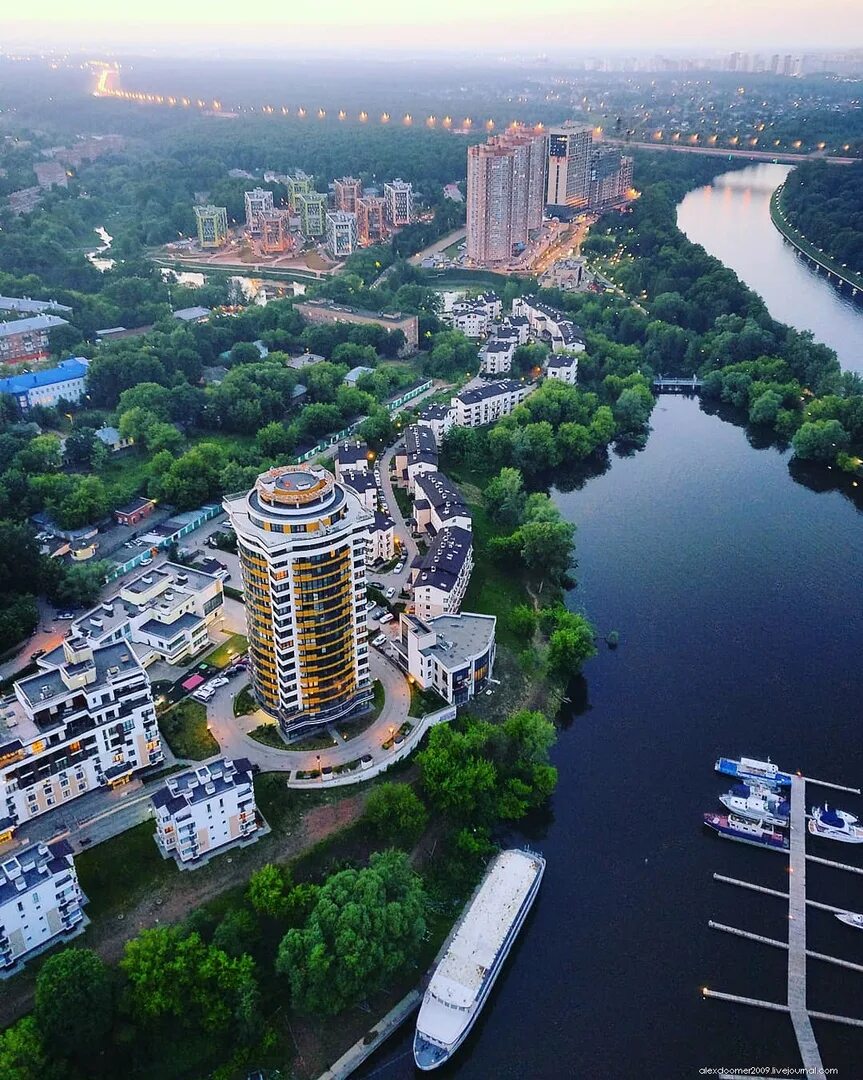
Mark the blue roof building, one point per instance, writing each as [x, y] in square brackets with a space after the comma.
[67, 381]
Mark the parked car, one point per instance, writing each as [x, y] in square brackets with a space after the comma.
[203, 694]
[370, 604]
[399, 567]
[387, 618]
[390, 593]
[36, 654]
[379, 640]
[65, 615]
[377, 584]
[217, 682]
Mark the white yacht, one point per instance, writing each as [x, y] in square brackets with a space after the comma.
[835, 825]
[465, 975]
[850, 918]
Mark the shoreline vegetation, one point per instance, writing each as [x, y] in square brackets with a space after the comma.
[826, 262]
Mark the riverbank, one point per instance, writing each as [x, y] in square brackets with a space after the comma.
[814, 254]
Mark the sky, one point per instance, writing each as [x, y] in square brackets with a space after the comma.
[697, 26]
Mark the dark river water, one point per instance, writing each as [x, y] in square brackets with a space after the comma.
[736, 584]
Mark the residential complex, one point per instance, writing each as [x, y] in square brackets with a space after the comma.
[212, 226]
[352, 454]
[419, 454]
[610, 177]
[208, 808]
[475, 315]
[85, 720]
[164, 614]
[481, 405]
[504, 195]
[371, 220]
[496, 357]
[438, 504]
[549, 325]
[65, 382]
[348, 192]
[382, 539]
[451, 654]
[440, 577]
[299, 183]
[40, 900]
[568, 178]
[27, 339]
[563, 367]
[258, 202]
[23, 305]
[399, 200]
[275, 232]
[312, 209]
[341, 233]
[325, 311]
[440, 419]
[301, 540]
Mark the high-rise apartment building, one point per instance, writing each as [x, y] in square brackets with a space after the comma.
[568, 182]
[399, 199]
[298, 183]
[275, 235]
[348, 191]
[371, 224]
[504, 195]
[301, 540]
[341, 233]
[312, 208]
[212, 226]
[258, 202]
[610, 177]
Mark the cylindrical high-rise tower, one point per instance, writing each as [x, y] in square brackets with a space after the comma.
[301, 539]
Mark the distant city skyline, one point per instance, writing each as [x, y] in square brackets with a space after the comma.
[482, 26]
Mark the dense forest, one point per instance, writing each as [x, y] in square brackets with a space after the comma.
[826, 205]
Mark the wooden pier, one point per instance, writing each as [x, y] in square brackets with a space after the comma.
[796, 1004]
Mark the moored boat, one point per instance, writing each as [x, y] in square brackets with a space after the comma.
[757, 803]
[737, 828]
[850, 918]
[835, 825]
[764, 772]
[463, 979]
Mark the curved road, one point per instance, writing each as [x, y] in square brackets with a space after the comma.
[232, 732]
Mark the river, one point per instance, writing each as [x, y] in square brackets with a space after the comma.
[736, 583]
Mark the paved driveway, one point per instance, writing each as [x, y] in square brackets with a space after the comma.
[232, 732]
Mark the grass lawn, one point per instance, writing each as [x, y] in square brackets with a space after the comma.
[116, 872]
[424, 701]
[495, 588]
[320, 741]
[404, 503]
[185, 728]
[268, 734]
[230, 648]
[245, 704]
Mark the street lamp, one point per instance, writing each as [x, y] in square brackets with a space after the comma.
[320, 774]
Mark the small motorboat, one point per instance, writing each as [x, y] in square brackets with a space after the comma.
[850, 918]
[758, 803]
[835, 825]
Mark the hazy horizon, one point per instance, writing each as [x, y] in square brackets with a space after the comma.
[483, 27]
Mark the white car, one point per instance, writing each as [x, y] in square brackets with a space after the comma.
[379, 640]
[217, 682]
[399, 568]
[370, 604]
[387, 618]
[203, 694]
[390, 593]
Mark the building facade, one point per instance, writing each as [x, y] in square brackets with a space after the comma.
[438, 504]
[83, 722]
[440, 419]
[301, 540]
[496, 357]
[312, 208]
[440, 577]
[200, 811]
[352, 455]
[258, 202]
[341, 233]
[549, 325]
[418, 454]
[274, 232]
[450, 654]
[27, 339]
[485, 404]
[298, 183]
[568, 183]
[562, 367]
[40, 901]
[504, 195]
[348, 191]
[212, 226]
[371, 220]
[399, 200]
[66, 382]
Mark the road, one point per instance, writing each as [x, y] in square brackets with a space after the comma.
[784, 158]
[439, 245]
[232, 732]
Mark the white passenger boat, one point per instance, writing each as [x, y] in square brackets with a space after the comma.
[463, 979]
[835, 825]
[757, 803]
[850, 918]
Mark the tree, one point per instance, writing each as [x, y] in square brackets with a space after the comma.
[396, 813]
[633, 408]
[23, 1055]
[765, 408]
[365, 926]
[505, 497]
[546, 547]
[177, 975]
[570, 644]
[74, 1005]
[820, 440]
[237, 933]
[40, 455]
[522, 622]
[267, 891]
[458, 779]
